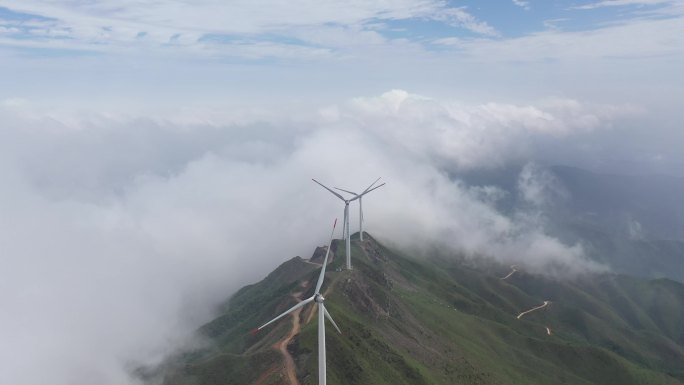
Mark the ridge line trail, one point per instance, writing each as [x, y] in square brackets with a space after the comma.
[533, 309]
[281, 346]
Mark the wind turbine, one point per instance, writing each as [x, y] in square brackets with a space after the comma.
[345, 223]
[359, 197]
[322, 314]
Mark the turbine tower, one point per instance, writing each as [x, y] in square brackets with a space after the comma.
[322, 314]
[359, 197]
[345, 223]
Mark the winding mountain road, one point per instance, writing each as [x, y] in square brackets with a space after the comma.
[513, 270]
[534, 309]
[281, 346]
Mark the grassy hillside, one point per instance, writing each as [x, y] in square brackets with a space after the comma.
[444, 321]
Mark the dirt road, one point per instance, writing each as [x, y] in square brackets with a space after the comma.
[281, 346]
[513, 270]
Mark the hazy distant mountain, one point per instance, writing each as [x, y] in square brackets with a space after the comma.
[443, 321]
[637, 206]
[642, 206]
[634, 223]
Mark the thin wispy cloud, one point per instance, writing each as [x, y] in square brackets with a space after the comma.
[208, 26]
[206, 48]
[522, 4]
[643, 38]
[461, 18]
[552, 24]
[622, 3]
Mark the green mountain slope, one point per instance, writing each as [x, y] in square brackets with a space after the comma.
[444, 321]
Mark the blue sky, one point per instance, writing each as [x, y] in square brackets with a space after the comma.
[85, 51]
[88, 24]
[508, 17]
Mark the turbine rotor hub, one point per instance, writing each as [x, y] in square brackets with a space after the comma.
[319, 298]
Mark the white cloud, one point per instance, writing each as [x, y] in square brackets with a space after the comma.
[14, 103]
[539, 187]
[522, 4]
[460, 17]
[552, 24]
[156, 56]
[182, 27]
[619, 3]
[464, 136]
[123, 232]
[642, 38]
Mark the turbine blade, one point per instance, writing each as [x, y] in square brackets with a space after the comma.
[347, 191]
[293, 308]
[374, 188]
[325, 187]
[371, 185]
[325, 261]
[329, 317]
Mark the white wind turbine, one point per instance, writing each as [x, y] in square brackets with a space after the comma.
[322, 314]
[345, 223]
[360, 198]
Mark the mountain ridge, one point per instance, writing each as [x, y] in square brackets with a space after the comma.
[438, 320]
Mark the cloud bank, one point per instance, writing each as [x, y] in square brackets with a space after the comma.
[119, 234]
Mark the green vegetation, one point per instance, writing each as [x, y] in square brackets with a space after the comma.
[442, 321]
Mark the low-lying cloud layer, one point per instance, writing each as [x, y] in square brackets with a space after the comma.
[120, 234]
